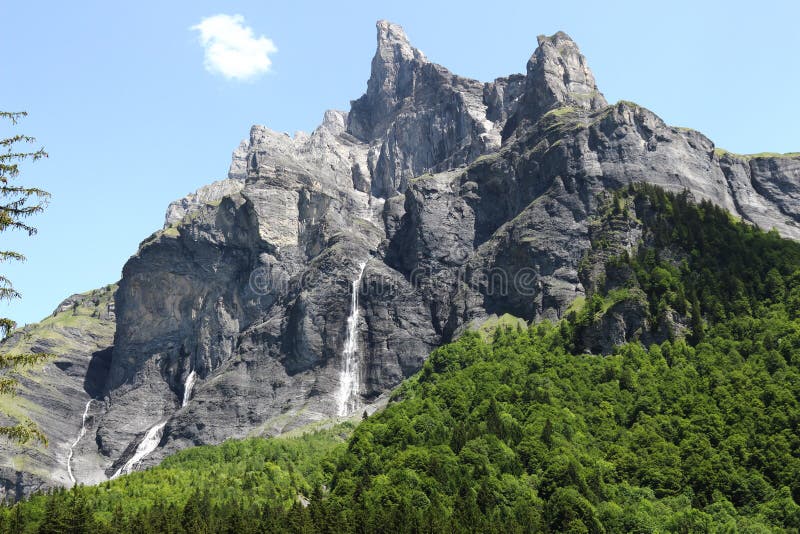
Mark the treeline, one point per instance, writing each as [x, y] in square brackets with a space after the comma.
[239, 486]
[698, 433]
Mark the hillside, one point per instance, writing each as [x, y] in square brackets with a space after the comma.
[57, 393]
[530, 431]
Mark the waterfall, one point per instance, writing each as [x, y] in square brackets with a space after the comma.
[152, 437]
[187, 388]
[148, 444]
[349, 377]
[74, 443]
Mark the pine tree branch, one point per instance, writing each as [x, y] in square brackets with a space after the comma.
[19, 138]
[19, 203]
[7, 255]
[15, 361]
[13, 116]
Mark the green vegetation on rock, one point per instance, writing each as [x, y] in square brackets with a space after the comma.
[90, 312]
[720, 152]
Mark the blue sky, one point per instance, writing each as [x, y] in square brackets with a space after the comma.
[119, 96]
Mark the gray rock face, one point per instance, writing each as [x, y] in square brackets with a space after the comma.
[465, 200]
[777, 179]
[557, 76]
[766, 190]
[79, 334]
[208, 194]
[418, 117]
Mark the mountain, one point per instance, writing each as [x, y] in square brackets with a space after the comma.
[516, 428]
[326, 268]
[57, 394]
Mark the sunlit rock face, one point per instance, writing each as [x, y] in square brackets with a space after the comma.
[460, 199]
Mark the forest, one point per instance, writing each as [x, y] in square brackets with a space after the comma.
[528, 429]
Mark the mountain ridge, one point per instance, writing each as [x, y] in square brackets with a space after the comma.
[436, 182]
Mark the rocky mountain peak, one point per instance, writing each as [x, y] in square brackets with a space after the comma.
[558, 72]
[395, 68]
[334, 121]
[418, 117]
[557, 75]
[393, 44]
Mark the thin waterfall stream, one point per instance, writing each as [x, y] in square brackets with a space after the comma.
[350, 377]
[152, 437]
[187, 388]
[148, 444]
[75, 443]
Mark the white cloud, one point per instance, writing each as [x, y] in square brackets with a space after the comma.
[231, 49]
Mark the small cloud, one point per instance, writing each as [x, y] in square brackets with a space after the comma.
[232, 50]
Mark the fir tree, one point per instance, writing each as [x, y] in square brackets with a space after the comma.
[17, 204]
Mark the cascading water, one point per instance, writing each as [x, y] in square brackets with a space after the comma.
[152, 437]
[349, 377]
[148, 444]
[187, 388]
[75, 443]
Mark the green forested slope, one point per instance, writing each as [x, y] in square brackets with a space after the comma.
[203, 489]
[525, 431]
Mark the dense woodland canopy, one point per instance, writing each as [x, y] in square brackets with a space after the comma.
[525, 431]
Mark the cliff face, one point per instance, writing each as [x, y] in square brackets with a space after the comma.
[79, 333]
[461, 199]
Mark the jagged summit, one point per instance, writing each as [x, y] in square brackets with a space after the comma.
[395, 68]
[557, 75]
[393, 43]
[558, 66]
[403, 80]
[417, 116]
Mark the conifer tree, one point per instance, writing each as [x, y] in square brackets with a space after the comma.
[17, 203]
[54, 521]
